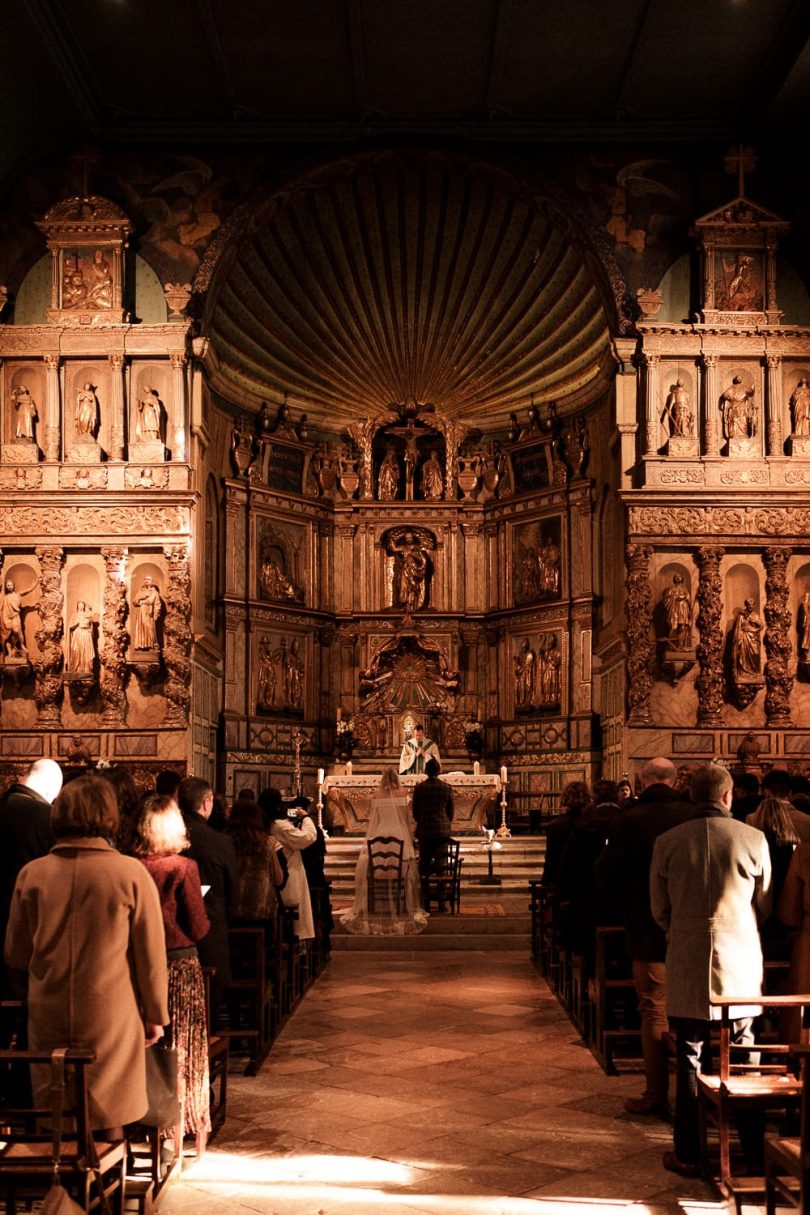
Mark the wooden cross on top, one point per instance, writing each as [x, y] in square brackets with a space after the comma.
[740, 160]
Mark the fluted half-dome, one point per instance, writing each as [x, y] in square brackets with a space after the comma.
[387, 279]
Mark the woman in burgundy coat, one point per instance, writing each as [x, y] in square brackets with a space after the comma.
[159, 837]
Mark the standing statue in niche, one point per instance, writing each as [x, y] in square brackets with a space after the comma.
[293, 675]
[800, 407]
[549, 568]
[550, 670]
[274, 582]
[530, 576]
[678, 408]
[267, 675]
[411, 582]
[525, 676]
[746, 641]
[81, 650]
[86, 410]
[148, 604]
[148, 426]
[739, 416]
[432, 479]
[26, 413]
[388, 477]
[803, 623]
[678, 608]
[12, 641]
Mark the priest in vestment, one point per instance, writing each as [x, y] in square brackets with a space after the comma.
[416, 752]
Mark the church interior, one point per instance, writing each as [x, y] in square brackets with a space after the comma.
[366, 365]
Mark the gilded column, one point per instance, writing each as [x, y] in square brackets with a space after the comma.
[113, 661]
[177, 636]
[117, 420]
[178, 429]
[639, 634]
[709, 682]
[770, 277]
[652, 394]
[778, 644]
[49, 663]
[775, 439]
[711, 430]
[51, 440]
[708, 277]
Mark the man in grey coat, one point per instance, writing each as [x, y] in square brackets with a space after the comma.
[710, 883]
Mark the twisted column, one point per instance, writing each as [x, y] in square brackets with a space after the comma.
[112, 659]
[778, 645]
[709, 682]
[49, 663]
[177, 636]
[639, 634]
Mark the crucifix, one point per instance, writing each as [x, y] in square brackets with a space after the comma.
[740, 160]
[410, 434]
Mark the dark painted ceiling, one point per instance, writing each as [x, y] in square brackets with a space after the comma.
[412, 283]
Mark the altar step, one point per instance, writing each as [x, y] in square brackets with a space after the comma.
[493, 917]
[520, 859]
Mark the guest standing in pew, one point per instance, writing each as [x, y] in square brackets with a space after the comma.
[158, 839]
[216, 861]
[294, 835]
[86, 925]
[261, 860]
[773, 818]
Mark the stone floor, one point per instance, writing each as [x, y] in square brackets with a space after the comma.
[433, 1083]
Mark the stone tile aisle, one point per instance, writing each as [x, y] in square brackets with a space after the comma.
[433, 1083]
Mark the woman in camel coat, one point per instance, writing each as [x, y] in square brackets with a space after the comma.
[86, 924]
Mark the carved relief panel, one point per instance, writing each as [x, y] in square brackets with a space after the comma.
[280, 561]
[537, 662]
[536, 561]
[280, 665]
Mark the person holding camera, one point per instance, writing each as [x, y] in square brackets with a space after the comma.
[295, 831]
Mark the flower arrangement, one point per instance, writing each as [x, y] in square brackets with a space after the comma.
[474, 736]
[344, 736]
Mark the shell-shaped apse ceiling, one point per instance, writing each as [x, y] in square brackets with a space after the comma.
[386, 282]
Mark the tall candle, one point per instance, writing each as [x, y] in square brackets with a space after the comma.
[503, 775]
[320, 776]
[349, 768]
[476, 769]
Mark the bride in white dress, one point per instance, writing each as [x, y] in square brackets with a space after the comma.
[388, 816]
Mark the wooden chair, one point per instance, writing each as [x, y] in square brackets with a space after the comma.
[444, 885]
[766, 1084]
[250, 994]
[787, 1160]
[218, 1058]
[27, 1167]
[386, 889]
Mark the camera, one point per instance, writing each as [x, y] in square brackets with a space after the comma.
[292, 812]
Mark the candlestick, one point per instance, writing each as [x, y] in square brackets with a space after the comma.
[476, 769]
[503, 775]
[348, 767]
[320, 777]
[503, 831]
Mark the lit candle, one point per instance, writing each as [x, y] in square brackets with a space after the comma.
[476, 769]
[349, 768]
[340, 715]
[503, 775]
[320, 777]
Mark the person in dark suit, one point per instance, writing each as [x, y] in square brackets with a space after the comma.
[25, 829]
[433, 814]
[623, 870]
[219, 870]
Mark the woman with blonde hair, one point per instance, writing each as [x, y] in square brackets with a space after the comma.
[158, 838]
[388, 817]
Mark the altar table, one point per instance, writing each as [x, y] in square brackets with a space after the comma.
[348, 798]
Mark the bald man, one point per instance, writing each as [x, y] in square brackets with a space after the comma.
[623, 870]
[25, 829]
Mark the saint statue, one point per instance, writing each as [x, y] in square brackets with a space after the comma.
[678, 408]
[388, 477]
[416, 752]
[738, 410]
[81, 650]
[550, 669]
[432, 479]
[12, 641]
[529, 577]
[678, 608]
[803, 622]
[148, 427]
[86, 410]
[525, 676]
[748, 751]
[74, 288]
[99, 290]
[746, 641]
[411, 580]
[549, 568]
[149, 604]
[800, 407]
[293, 676]
[26, 413]
[267, 675]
